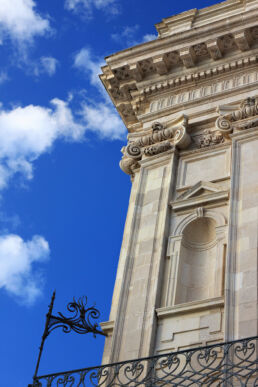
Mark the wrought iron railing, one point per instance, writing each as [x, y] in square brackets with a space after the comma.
[225, 364]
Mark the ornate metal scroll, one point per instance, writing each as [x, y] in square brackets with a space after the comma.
[80, 322]
[232, 364]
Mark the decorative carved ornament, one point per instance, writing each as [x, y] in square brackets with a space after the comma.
[159, 139]
[240, 117]
[210, 138]
[187, 56]
[158, 148]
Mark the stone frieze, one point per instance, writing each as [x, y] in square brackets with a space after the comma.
[211, 89]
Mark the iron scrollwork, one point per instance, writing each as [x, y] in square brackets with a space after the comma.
[232, 364]
[81, 321]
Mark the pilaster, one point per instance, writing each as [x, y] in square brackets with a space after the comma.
[242, 259]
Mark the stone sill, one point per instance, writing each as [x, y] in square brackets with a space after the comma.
[190, 307]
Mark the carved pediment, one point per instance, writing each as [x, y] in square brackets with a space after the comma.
[201, 193]
[201, 188]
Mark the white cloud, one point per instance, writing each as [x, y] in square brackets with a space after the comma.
[86, 7]
[3, 77]
[92, 68]
[19, 273]
[27, 132]
[149, 37]
[127, 36]
[103, 120]
[47, 65]
[101, 117]
[20, 21]
[11, 220]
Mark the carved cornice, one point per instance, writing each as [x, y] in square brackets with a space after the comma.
[191, 78]
[186, 56]
[125, 83]
[195, 39]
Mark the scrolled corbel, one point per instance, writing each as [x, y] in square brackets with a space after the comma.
[128, 165]
[133, 151]
[223, 125]
[181, 138]
[131, 155]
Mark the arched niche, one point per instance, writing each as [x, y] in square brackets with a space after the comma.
[197, 262]
[197, 251]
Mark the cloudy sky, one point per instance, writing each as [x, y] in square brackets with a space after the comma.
[63, 199]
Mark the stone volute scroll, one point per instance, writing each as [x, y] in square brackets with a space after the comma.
[131, 155]
[182, 139]
[157, 139]
[238, 117]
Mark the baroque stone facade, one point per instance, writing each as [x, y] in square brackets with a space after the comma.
[187, 273]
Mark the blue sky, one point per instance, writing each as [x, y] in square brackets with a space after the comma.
[63, 198]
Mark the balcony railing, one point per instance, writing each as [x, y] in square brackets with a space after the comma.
[228, 364]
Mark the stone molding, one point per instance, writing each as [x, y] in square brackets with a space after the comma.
[186, 56]
[181, 205]
[199, 188]
[175, 243]
[191, 78]
[201, 194]
[107, 327]
[124, 82]
[195, 18]
[216, 216]
[189, 307]
[220, 86]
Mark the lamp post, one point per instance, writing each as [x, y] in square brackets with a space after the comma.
[80, 322]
